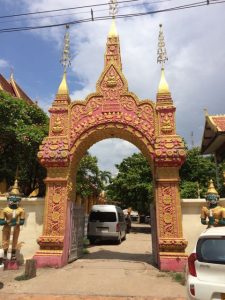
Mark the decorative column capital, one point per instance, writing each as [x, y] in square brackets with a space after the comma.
[169, 151]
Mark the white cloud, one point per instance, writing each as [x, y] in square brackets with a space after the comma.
[3, 64]
[195, 46]
[112, 151]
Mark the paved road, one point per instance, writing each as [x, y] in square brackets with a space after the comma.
[124, 271]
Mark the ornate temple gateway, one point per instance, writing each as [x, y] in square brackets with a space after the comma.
[112, 111]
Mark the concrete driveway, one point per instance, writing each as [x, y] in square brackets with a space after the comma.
[108, 271]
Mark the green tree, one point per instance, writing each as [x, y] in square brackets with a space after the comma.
[22, 129]
[133, 184]
[90, 180]
[196, 172]
[105, 177]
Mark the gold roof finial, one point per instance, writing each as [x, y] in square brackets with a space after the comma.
[162, 58]
[211, 188]
[206, 112]
[66, 59]
[66, 62]
[11, 73]
[15, 189]
[113, 10]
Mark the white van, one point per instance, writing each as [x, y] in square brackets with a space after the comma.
[106, 222]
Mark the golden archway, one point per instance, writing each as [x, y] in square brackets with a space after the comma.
[112, 111]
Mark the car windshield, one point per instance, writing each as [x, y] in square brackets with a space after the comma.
[211, 250]
[102, 216]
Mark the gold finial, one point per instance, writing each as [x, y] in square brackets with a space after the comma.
[15, 188]
[11, 73]
[63, 87]
[163, 85]
[211, 188]
[162, 58]
[66, 59]
[161, 54]
[206, 112]
[113, 31]
[113, 10]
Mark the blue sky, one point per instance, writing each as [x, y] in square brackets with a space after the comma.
[195, 70]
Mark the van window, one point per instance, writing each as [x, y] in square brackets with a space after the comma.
[102, 216]
[211, 250]
[121, 217]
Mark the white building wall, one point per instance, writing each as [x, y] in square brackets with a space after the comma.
[34, 209]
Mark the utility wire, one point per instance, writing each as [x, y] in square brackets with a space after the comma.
[191, 5]
[63, 9]
[24, 18]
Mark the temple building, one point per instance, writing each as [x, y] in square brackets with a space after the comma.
[213, 141]
[11, 87]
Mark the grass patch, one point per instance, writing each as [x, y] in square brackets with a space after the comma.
[176, 276]
[86, 243]
[85, 251]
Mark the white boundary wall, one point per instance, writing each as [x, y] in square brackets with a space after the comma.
[34, 209]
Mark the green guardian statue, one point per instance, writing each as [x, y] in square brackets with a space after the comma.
[11, 217]
[213, 214]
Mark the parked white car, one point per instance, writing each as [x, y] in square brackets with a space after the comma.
[206, 266]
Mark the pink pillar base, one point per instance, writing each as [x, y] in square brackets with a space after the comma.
[49, 260]
[11, 265]
[172, 261]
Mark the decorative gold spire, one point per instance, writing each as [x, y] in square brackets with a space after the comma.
[66, 62]
[113, 10]
[113, 31]
[163, 85]
[211, 188]
[63, 88]
[112, 54]
[66, 59]
[11, 73]
[206, 112]
[15, 189]
[162, 58]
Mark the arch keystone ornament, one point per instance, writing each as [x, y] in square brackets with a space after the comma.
[112, 111]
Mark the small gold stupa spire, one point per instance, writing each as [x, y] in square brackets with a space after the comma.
[66, 62]
[113, 31]
[15, 189]
[113, 10]
[211, 188]
[63, 87]
[162, 58]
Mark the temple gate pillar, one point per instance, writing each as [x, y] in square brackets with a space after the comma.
[168, 157]
[54, 155]
[54, 240]
[170, 242]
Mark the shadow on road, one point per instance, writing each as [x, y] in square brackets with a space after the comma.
[107, 254]
[135, 229]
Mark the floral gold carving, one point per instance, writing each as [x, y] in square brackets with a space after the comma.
[167, 212]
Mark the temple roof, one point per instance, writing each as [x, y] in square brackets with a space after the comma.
[12, 87]
[213, 140]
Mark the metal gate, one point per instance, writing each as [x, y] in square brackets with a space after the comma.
[77, 232]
